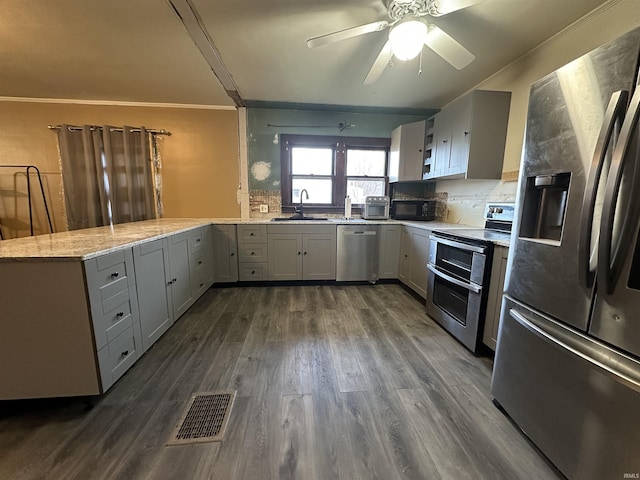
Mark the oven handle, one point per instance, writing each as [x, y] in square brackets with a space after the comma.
[463, 246]
[472, 287]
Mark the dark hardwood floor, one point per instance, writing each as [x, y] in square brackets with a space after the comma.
[334, 382]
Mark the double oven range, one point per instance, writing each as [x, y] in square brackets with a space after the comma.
[459, 271]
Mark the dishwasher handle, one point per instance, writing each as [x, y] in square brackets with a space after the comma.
[361, 232]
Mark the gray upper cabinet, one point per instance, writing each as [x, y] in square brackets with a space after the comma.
[225, 253]
[469, 137]
[406, 155]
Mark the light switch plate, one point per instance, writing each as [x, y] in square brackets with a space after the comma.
[264, 208]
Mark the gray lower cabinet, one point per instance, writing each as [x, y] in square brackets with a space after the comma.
[389, 261]
[494, 299]
[414, 256]
[201, 260]
[182, 292]
[306, 252]
[153, 277]
[225, 254]
[253, 253]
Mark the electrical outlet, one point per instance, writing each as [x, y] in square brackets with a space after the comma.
[264, 208]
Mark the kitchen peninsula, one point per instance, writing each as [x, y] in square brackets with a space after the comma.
[81, 307]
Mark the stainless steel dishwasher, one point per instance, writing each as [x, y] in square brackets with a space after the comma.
[357, 253]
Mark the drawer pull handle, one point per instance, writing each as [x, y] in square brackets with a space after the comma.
[298, 253]
[174, 280]
[199, 262]
[125, 353]
[197, 240]
[253, 253]
[251, 234]
[201, 285]
[232, 254]
[170, 282]
[115, 275]
[120, 314]
[253, 272]
[305, 253]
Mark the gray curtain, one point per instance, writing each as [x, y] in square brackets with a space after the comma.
[107, 175]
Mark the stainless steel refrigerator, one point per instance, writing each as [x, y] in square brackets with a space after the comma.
[567, 364]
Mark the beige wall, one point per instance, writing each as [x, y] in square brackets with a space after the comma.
[200, 159]
[466, 199]
[601, 26]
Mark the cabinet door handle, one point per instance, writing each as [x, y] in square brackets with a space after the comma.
[444, 141]
[197, 240]
[115, 274]
[120, 314]
[305, 253]
[253, 272]
[253, 253]
[251, 234]
[199, 262]
[232, 254]
[174, 280]
[201, 285]
[466, 133]
[125, 353]
[298, 253]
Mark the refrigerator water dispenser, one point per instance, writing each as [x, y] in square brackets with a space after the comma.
[544, 206]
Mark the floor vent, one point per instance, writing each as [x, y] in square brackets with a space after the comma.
[205, 419]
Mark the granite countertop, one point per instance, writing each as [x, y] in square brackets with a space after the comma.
[91, 242]
[88, 243]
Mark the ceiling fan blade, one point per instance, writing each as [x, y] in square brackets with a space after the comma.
[448, 48]
[379, 65]
[441, 7]
[347, 33]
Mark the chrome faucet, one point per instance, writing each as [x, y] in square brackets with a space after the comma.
[299, 208]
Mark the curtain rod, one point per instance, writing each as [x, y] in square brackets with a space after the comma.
[150, 130]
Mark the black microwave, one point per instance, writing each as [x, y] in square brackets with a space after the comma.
[421, 210]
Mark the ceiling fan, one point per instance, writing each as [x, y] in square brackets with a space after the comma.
[409, 31]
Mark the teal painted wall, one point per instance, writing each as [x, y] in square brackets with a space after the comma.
[263, 141]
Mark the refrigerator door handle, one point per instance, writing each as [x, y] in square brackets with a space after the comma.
[608, 267]
[612, 364]
[614, 113]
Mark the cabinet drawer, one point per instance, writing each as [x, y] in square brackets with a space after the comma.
[196, 241]
[110, 268]
[119, 355]
[252, 233]
[112, 318]
[199, 285]
[198, 262]
[253, 272]
[252, 253]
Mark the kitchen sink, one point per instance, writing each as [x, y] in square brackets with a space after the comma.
[292, 219]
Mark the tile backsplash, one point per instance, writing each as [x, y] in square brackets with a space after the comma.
[465, 200]
[457, 201]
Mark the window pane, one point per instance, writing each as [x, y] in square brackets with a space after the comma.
[311, 161]
[319, 189]
[358, 188]
[369, 163]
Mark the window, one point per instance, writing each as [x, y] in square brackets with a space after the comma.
[330, 168]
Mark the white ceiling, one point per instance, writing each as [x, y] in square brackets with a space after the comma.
[139, 51]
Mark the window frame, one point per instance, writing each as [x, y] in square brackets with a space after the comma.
[339, 145]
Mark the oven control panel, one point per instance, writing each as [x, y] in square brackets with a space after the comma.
[503, 212]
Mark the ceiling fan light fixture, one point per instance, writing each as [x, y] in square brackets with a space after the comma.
[407, 37]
